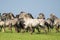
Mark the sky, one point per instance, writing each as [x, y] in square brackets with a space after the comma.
[31, 6]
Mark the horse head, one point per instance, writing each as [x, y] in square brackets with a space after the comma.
[4, 16]
[41, 16]
[11, 15]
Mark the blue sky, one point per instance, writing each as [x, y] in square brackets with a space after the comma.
[32, 6]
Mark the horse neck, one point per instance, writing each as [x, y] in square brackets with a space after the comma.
[56, 18]
[12, 17]
[27, 19]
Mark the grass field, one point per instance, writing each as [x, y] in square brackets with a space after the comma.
[27, 36]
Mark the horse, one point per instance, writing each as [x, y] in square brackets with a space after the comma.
[56, 21]
[13, 20]
[4, 22]
[9, 20]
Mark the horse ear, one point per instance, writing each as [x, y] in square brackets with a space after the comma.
[30, 15]
[4, 14]
[53, 16]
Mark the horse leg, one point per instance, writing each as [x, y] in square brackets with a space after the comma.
[0, 28]
[19, 29]
[48, 28]
[24, 29]
[10, 28]
[27, 29]
[31, 29]
[4, 28]
[57, 28]
[44, 28]
[16, 29]
[38, 29]
[51, 27]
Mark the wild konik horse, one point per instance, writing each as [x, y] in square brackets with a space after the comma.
[8, 20]
[48, 22]
[56, 22]
[3, 22]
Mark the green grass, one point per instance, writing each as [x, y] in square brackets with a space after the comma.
[27, 36]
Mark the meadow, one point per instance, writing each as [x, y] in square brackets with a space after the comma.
[27, 36]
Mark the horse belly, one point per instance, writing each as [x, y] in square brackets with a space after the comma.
[34, 22]
[1, 23]
[7, 23]
[13, 22]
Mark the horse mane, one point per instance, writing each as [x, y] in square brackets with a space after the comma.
[11, 15]
[3, 16]
[53, 17]
[4, 13]
[41, 14]
[30, 15]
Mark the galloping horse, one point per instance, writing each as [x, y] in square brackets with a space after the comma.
[48, 22]
[13, 20]
[56, 21]
[8, 20]
[4, 22]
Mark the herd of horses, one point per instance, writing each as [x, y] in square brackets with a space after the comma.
[26, 22]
